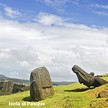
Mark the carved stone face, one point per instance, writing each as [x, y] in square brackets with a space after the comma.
[83, 76]
[76, 69]
[87, 79]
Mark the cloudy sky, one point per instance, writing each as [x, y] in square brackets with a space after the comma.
[53, 33]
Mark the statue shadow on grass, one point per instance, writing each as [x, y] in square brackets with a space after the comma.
[27, 99]
[78, 90]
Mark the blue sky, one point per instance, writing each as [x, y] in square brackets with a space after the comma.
[88, 12]
[53, 33]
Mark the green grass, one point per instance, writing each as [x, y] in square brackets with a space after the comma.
[65, 97]
[70, 96]
[105, 78]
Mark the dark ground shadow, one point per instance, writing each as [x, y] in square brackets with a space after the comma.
[27, 99]
[78, 90]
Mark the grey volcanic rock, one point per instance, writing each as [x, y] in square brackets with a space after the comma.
[1, 85]
[103, 94]
[7, 87]
[41, 85]
[20, 88]
[92, 73]
[87, 79]
[25, 88]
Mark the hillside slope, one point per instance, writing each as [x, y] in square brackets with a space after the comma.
[70, 96]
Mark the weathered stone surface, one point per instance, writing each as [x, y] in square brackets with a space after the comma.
[87, 79]
[20, 88]
[92, 73]
[1, 85]
[25, 88]
[41, 85]
[103, 94]
[7, 87]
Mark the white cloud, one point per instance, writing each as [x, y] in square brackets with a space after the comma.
[59, 4]
[49, 19]
[97, 8]
[25, 46]
[14, 61]
[101, 6]
[56, 3]
[101, 13]
[11, 12]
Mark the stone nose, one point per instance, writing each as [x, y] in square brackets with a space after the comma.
[74, 70]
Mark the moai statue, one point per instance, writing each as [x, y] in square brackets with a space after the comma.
[87, 79]
[7, 87]
[41, 85]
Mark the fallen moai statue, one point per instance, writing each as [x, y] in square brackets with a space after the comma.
[25, 88]
[7, 88]
[88, 79]
[20, 88]
[41, 85]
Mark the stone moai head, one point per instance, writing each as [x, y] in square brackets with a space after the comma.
[41, 85]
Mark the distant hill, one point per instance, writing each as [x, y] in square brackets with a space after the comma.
[3, 78]
[62, 83]
[104, 75]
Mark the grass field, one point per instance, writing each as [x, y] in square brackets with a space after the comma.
[105, 78]
[70, 96]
